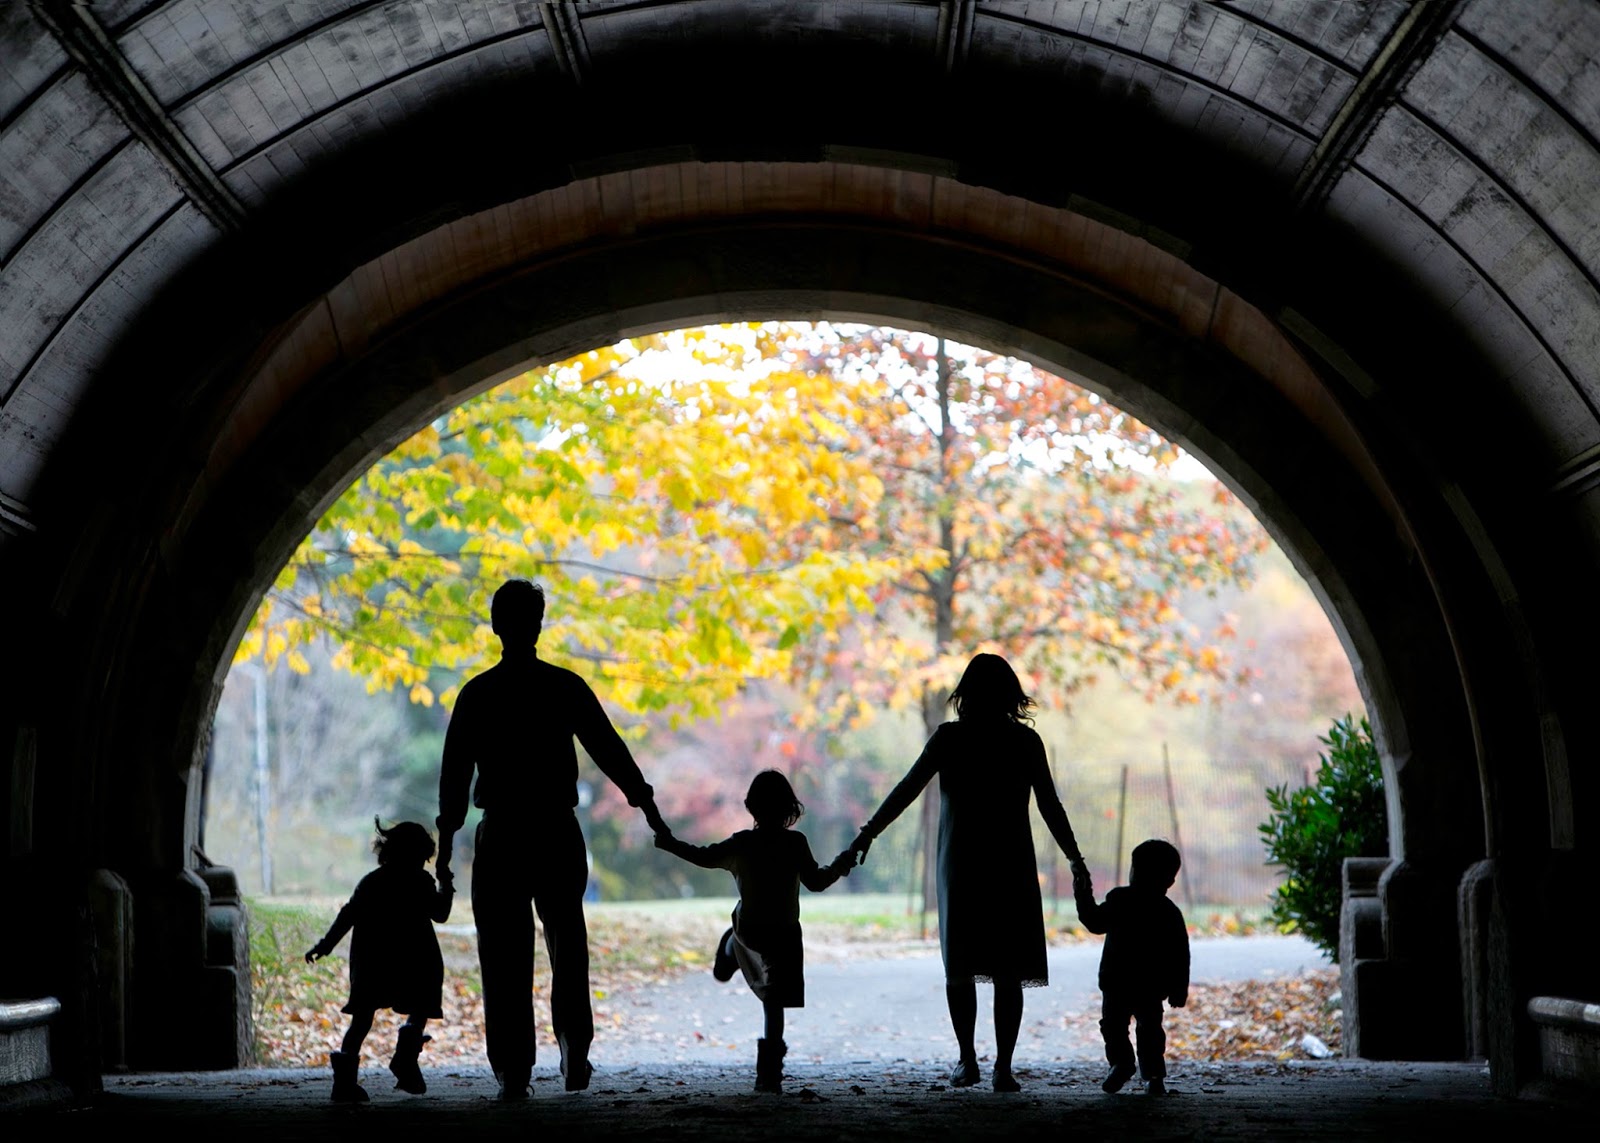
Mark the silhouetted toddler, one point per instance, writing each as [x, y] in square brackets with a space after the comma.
[769, 863]
[1145, 960]
[394, 955]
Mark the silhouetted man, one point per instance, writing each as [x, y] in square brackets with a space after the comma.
[515, 723]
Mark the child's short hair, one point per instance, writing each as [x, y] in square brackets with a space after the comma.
[772, 801]
[402, 842]
[1159, 859]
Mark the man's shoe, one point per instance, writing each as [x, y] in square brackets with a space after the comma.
[1120, 1074]
[725, 964]
[1156, 1087]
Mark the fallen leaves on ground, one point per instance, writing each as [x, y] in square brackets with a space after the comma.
[298, 1017]
[1259, 1020]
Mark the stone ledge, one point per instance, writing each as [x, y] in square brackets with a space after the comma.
[25, 1041]
[1569, 1039]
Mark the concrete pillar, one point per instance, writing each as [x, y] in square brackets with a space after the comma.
[1472, 915]
[1362, 971]
[1422, 941]
[229, 1030]
[111, 915]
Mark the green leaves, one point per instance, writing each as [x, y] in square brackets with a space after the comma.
[1312, 830]
[855, 510]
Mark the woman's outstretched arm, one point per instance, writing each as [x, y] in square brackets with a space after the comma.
[901, 797]
[1050, 807]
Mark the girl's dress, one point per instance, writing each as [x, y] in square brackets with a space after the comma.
[769, 866]
[991, 914]
[394, 955]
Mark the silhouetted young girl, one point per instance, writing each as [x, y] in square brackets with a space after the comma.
[769, 863]
[394, 955]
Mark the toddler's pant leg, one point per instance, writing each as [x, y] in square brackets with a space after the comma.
[1115, 1012]
[1152, 1040]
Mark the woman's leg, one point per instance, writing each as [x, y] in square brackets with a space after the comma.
[1007, 1024]
[360, 1025]
[962, 997]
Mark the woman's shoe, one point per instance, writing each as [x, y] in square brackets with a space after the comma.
[964, 1074]
[1005, 1081]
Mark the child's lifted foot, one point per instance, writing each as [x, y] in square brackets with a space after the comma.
[1120, 1074]
[725, 963]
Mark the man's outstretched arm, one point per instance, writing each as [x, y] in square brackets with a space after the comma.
[455, 778]
[600, 738]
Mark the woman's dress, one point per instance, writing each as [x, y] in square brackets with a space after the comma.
[991, 913]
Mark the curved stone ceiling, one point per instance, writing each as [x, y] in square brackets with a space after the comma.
[1457, 139]
[233, 232]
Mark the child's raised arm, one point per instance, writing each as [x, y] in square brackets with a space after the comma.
[1090, 912]
[443, 897]
[342, 924]
[713, 856]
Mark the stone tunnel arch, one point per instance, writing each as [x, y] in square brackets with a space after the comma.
[353, 372]
[1315, 255]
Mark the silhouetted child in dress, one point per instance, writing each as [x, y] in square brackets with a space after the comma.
[1145, 960]
[769, 863]
[394, 955]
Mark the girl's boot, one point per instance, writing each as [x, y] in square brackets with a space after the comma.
[345, 1087]
[769, 1064]
[407, 1075]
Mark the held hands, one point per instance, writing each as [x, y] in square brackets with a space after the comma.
[842, 865]
[858, 849]
[1179, 999]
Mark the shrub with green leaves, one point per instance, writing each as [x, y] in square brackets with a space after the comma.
[1314, 828]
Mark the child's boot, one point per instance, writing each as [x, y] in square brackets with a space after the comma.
[769, 1064]
[724, 964]
[407, 1075]
[345, 1087]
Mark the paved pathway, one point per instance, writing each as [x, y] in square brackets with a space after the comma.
[863, 1008]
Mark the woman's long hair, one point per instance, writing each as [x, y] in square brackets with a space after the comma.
[990, 688]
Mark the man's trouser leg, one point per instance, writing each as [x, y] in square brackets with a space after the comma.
[502, 909]
[561, 880]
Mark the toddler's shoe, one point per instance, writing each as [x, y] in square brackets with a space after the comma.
[1120, 1074]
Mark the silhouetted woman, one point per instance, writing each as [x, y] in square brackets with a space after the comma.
[991, 916]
